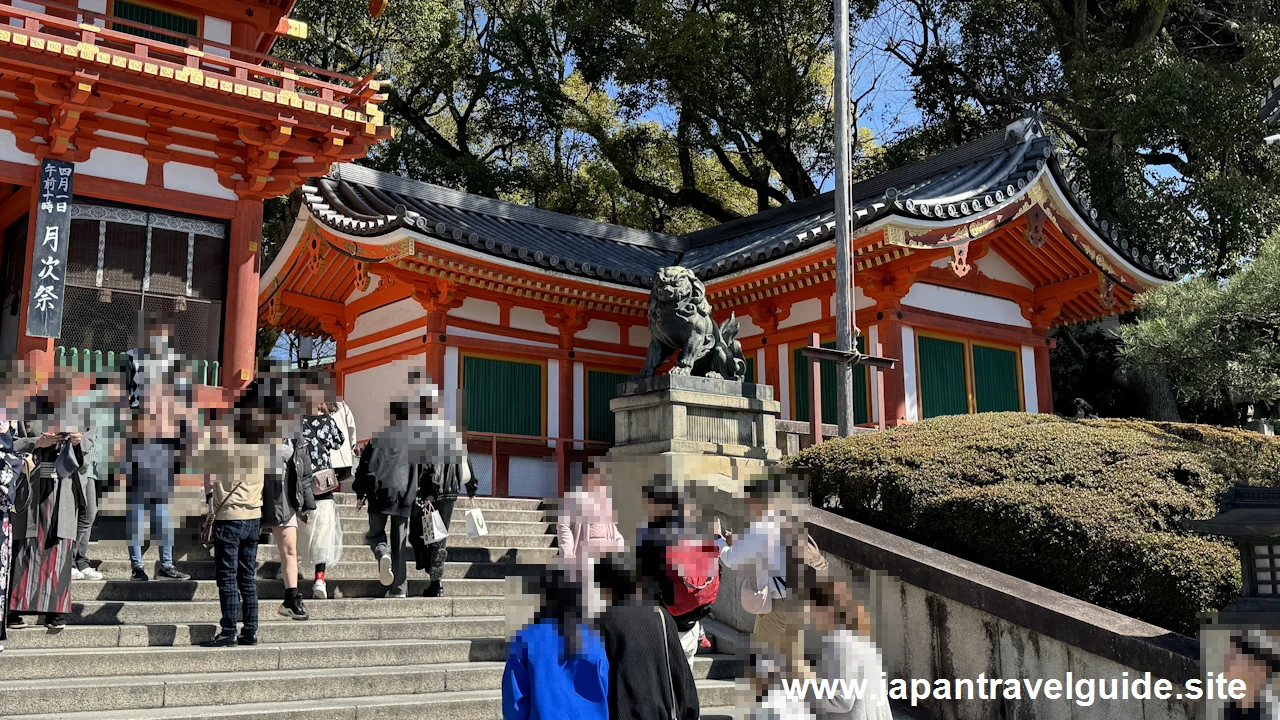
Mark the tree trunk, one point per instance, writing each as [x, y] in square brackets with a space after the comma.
[1152, 385]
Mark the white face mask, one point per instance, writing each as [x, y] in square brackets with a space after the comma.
[159, 343]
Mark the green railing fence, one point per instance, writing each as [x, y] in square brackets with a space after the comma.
[85, 360]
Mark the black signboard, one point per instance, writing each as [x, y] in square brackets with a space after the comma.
[49, 259]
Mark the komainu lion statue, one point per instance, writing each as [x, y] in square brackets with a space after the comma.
[680, 319]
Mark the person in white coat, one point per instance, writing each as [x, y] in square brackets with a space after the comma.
[848, 654]
[770, 701]
[344, 457]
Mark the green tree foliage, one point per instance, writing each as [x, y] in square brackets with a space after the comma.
[1218, 341]
[667, 116]
[1157, 102]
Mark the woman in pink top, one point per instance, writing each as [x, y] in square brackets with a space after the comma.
[587, 531]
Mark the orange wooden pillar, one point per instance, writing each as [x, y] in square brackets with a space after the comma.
[893, 388]
[241, 319]
[1044, 383]
[436, 342]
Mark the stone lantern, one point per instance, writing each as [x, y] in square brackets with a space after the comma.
[1250, 516]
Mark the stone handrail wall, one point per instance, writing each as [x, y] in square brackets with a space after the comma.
[938, 616]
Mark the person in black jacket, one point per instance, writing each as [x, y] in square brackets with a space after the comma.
[648, 676]
[667, 527]
[387, 482]
[438, 489]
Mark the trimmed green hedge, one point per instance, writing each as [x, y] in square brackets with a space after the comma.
[1090, 508]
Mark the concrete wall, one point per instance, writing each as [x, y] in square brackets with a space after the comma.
[938, 616]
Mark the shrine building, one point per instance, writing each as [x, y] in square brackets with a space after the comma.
[138, 141]
[529, 319]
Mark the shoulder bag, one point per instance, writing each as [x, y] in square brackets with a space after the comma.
[324, 481]
[206, 528]
[666, 653]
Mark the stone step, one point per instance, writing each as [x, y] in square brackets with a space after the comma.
[204, 570]
[448, 705]
[466, 503]
[358, 525]
[349, 512]
[535, 549]
[114, 662]
[114, 612]
[97, 693]
[273, 629]
[165, 590]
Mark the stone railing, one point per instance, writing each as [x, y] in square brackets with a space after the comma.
[938, 616]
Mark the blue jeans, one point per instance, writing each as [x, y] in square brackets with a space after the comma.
[235, 559]
[161, 531]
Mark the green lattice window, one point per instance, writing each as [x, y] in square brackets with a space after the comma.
[602, 386]
[943, 386]
[995, 379]
[503, 396]
[800, 373]
[156, 18]
[751, 370]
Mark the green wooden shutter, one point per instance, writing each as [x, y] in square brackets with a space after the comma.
[157, 18]
[502, 396]
[601, 388]
[751, 370]
[800, 370]
[995, 379]
[943, 390]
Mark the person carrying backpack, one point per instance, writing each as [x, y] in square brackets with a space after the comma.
[679, 563]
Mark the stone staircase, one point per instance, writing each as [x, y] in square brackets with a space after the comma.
[130, 648]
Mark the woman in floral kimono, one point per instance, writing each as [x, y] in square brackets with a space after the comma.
[11, 394]
[44, 520]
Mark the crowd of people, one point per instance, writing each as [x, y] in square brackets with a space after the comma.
[619, 628]
[269, 465]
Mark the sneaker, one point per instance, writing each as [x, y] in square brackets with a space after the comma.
[247, 639]
[139, 574]
[396, 594]
[384, 570]
[55, 621]
[91, 574]
[76, 574]
[434, 589]
[297, 611]
[319, 590]
[224, 638]
[16, 622]
[171, 573]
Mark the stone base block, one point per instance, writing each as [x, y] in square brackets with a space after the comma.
[695, 415]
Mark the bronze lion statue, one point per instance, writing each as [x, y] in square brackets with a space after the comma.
[680, 319]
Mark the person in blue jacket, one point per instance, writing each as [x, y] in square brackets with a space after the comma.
[556, 665]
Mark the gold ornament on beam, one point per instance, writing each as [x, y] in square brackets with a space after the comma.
[960, 260]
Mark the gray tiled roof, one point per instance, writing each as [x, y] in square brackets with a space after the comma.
[962, 182]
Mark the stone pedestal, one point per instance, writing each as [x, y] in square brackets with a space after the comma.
[711, 437]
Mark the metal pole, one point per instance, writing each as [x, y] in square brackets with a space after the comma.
[815, 391]
[844, 277]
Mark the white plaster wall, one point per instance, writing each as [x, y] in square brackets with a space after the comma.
[467, 332]
[747, 327]
[965, 304]
[92, 5]
[805, 311]
[997, 268]
[859, 300]
[601, 331]
[482, 465]
[358, 293]
[909, 373]
[24, 5]
[529, 319]
[760, 365]
[9, 150]
[531, 477]
[638, 336]
[450, 389]
[579, 402]
[369, 392]
[485, 311]
[386, 317]
[414, 334]
[553, 399]
[217, 30]
[873, 337]
[1030, 398]
[784, 381]
[195, 179]
[115, 165]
